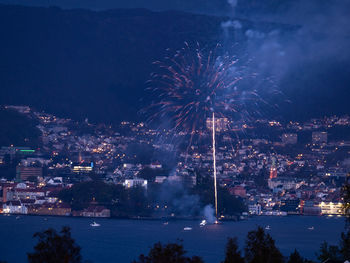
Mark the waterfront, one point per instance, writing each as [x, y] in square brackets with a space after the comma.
[123, 240]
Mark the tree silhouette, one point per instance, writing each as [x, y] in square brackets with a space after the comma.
[329, 253]
[345, 245]
[260, 248]
[345, 236]
[295, 257]
[232, 254]
[169, 253]
[55, 247]
[346, 206]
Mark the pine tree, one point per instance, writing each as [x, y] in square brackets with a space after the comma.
[260, 248]
[169, 253]
[232, 254]
[295, 257]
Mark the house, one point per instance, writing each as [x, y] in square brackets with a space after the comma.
[160, 179]
[254, 209]
[94, 211]
[238, 190]
[14, 207]
[57, 209]
[128, 183]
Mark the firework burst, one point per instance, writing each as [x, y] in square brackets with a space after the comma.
[192, 84]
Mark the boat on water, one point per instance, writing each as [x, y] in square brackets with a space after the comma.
[94, 224]
[267, 227]
[311, 228]
[187, 228]
[166, 223]
[18, 217]
[203, 223]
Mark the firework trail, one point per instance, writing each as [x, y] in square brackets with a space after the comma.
[214, 166]
[196, 84]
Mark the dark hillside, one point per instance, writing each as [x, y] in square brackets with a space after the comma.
[81, 63]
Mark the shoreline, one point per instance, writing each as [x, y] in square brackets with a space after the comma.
[140, 218]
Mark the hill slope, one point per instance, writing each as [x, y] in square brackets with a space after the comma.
[80, 63]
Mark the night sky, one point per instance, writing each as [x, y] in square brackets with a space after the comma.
[101, 63]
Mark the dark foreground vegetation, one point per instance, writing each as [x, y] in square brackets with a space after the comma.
[60, 247]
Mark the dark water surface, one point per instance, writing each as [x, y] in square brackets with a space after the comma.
[123, 240]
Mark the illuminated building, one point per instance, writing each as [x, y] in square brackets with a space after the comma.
[319, 137]
[282, 183]
[221, 124]
[254, 209]
[273, 169]
[83, 168]
[289, 138]
[58, 209]
[309, 208]
[128, 183]
[14, 207]
[330, 208]
[94, 211]
[155, 165]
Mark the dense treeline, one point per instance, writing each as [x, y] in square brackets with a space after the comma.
[259, 247]
[123, 202]
[157, 200]
[17, 129]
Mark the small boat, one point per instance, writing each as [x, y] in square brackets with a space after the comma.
[267, 227]
[94, 224]
[311, 228]
[18, 217]
[203, 223]
[187, 228]
[166, 223]
[45, 219]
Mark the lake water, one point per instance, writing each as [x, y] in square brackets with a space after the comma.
[123, 240]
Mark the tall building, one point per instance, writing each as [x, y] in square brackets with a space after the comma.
[221, 124]
[289, 138]
[129, 183]
[319, 137]
[273, 169]
[24, 172]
